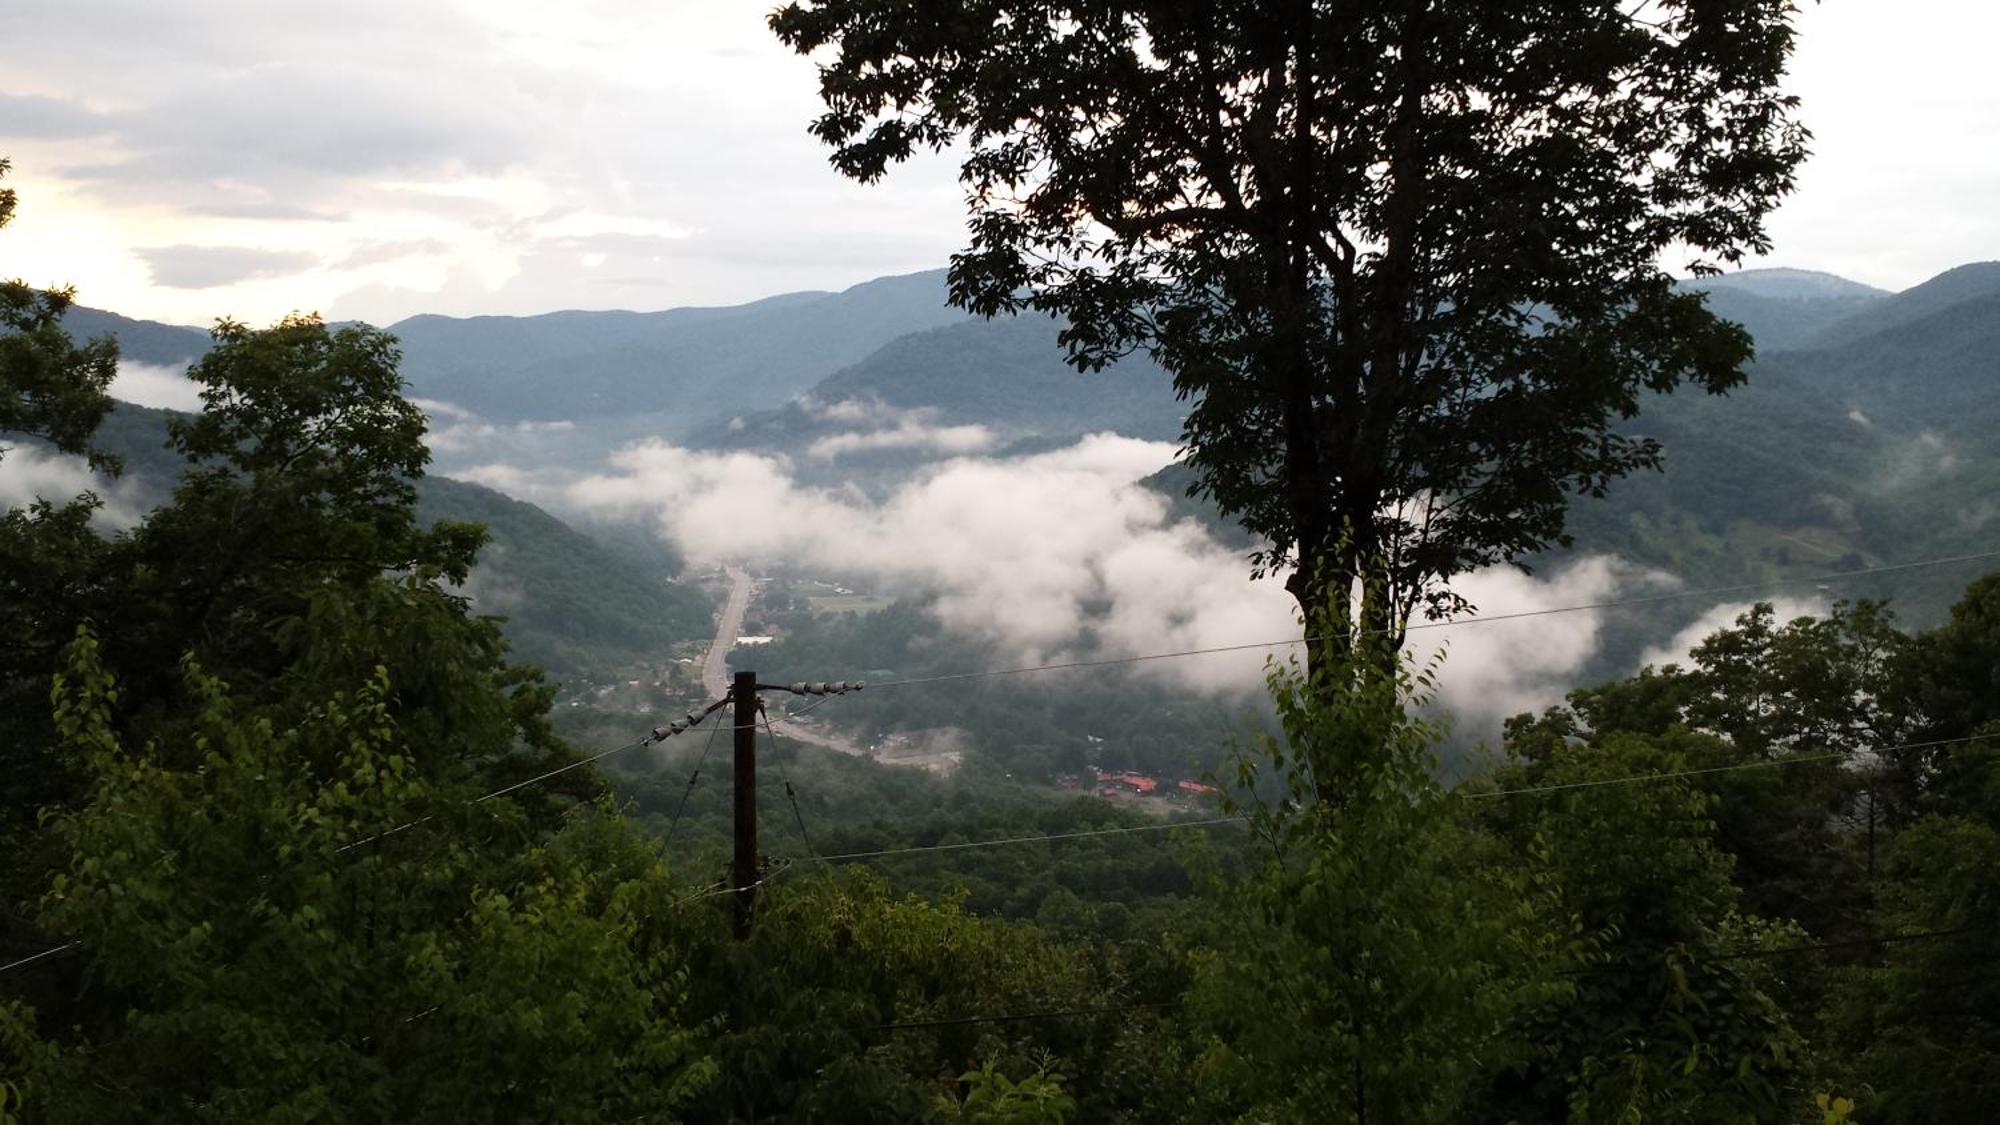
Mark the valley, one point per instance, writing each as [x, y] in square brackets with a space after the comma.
[1862, 439]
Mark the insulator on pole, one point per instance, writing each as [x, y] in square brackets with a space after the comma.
[823, 687]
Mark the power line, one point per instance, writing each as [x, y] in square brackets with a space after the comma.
[1632, 779]
[1016, 1017]
[1650, 599]
[1820, 947]
[1162, 827]
[34, 957]
[658, 734]
[791, 794]
[1771, 763]
[1064, 1013]
[692, 778]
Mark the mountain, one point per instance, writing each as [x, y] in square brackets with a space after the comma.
[1952, 287]
[145, 341]
[1794, 285]
[573, 603]
[1006, 376]
[625, 374]
[1782, 323]
[1785, 308]
[1860, 437]
[1877, 443]
[676, 368]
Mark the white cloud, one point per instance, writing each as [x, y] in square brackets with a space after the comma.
[156, 385]
[434, 409]
[1496, 669]
[28, 474]
[459, 437]
[907, 433]
[1061, 555]
[1719, 617]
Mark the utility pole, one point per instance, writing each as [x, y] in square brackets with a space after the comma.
[744, 868]
[743, 873]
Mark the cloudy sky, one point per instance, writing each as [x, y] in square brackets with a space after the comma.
[180, 160]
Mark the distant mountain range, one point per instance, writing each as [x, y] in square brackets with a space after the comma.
[671, 370]
[1865, 433]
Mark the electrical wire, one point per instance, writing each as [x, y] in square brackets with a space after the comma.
[659, 735]
[1650, 599]
[1638, 778]
[1771, 763]
[34, 957]
[791, 794]
[1128, 830]
[1016, 1017]
[1823, 946]
[675, 825]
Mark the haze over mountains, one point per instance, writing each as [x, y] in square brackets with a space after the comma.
[849, 426]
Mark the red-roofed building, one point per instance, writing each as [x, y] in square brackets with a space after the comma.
[1196, 788]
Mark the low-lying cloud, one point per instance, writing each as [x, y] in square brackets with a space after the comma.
[164, 386]
[1678, 649]
[1063, 555]
[870, 425]
[29, 474]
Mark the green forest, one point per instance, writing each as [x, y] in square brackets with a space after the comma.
[297, 832]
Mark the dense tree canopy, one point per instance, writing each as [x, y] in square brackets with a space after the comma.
[49, 386]
[1405, 257]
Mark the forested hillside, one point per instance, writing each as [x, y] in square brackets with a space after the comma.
[573, 604]
[677, 368]
[1007, 375]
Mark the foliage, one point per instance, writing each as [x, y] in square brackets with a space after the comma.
[1659, 1024]
[852, 1004]
[235, 888]
[1918, 1026]
[991, 1098]
[1381, 948]
[49, 386]
[1404, 259]
[1889, 906]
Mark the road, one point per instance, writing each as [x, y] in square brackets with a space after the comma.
[728, 627]
[715, 677]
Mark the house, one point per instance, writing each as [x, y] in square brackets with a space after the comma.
[1136, 782]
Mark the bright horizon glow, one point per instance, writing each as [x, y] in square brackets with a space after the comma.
[181, 162]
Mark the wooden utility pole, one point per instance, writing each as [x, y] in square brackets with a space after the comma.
[743, 873]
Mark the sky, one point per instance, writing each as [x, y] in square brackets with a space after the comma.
[378, 158]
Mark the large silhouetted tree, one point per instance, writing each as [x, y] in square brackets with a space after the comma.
[1405, 258]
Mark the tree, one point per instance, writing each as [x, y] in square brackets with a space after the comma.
[289, 557]
[1663, 1022]
[49, 386]
[1383, 947]
[1816, 694]
[1403, 256]
[260, 947]
[1914, 1019]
